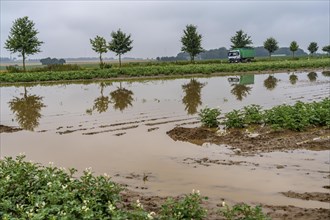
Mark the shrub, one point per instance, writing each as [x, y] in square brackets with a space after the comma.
[32, 191]
[208, 117]
[243, 212]
[187, 208]
[252, 114]
[13, 69]
[234, 119]
[297, 117]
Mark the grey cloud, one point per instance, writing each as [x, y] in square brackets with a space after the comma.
[157, 26]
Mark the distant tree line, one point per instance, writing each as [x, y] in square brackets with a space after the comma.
[23, 39]
[52, 61]
[222, 53]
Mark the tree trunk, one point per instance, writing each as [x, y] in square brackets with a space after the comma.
[192, 58]
[101, 61]
[119, 60]
[23, 55]
[270, 55]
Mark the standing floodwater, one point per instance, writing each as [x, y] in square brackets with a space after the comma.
[120, 128]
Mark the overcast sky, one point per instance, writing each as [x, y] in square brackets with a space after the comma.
[157, 26]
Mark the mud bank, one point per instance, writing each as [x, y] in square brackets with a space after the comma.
[8, 129]
[317, 196]
[153, 203]
[258, 140]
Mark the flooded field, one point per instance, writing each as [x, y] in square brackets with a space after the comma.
[120, 128]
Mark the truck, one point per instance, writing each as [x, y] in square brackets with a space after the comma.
[237, 55]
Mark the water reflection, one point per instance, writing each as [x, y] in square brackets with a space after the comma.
[101, 103]
[192, 98]
[240, 89]
[271, 82]
[312, 76]
[27, 110]
[326, 73]
[293, 78]
[122, 98]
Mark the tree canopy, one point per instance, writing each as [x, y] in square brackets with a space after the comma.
[120, 43]
[326, 49]
[271, 45]
[240, 40]
[294, 47]
[312, 48]
[99, 45]
[191, 41]
[23, 38]
[52, 61]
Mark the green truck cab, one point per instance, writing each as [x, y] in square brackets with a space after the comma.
[237, 55]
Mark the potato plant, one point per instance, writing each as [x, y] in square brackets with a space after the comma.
[297, 117]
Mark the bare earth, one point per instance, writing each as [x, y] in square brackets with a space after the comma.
[261, 140]
[8, 129]
[153, 203]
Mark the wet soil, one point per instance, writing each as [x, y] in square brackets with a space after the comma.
[153, 203]
[8, 129]
[317, 196]
[257, 140]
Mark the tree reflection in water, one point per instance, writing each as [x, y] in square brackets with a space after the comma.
[293, 78]
[326, 73]
[101, 103]
[312, 76]
[122, 98]
[27, 110]
[271, 82]
[240, 91]
[192, 98]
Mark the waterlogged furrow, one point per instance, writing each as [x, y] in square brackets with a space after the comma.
[111, 130]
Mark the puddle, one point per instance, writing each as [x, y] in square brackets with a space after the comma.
[120, 128]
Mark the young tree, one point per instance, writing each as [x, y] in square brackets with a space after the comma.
[99, 45]
[326, 49]
[312, 48]
[271, 45]
[120, 43]
[294, 47]
[191, 41]
[240, 40]
[23, 38]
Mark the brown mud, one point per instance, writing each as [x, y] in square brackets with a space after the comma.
[260, 140]
[153, 204]
[317, 196]
[8, 129]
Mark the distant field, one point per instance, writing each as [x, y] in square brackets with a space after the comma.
[88, 64]
[152, 69]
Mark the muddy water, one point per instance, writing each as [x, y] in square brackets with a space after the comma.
[120, 128]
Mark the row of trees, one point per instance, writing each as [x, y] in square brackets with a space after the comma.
[272, 45]
[191, 42]
[23, 39]
[120, 44]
